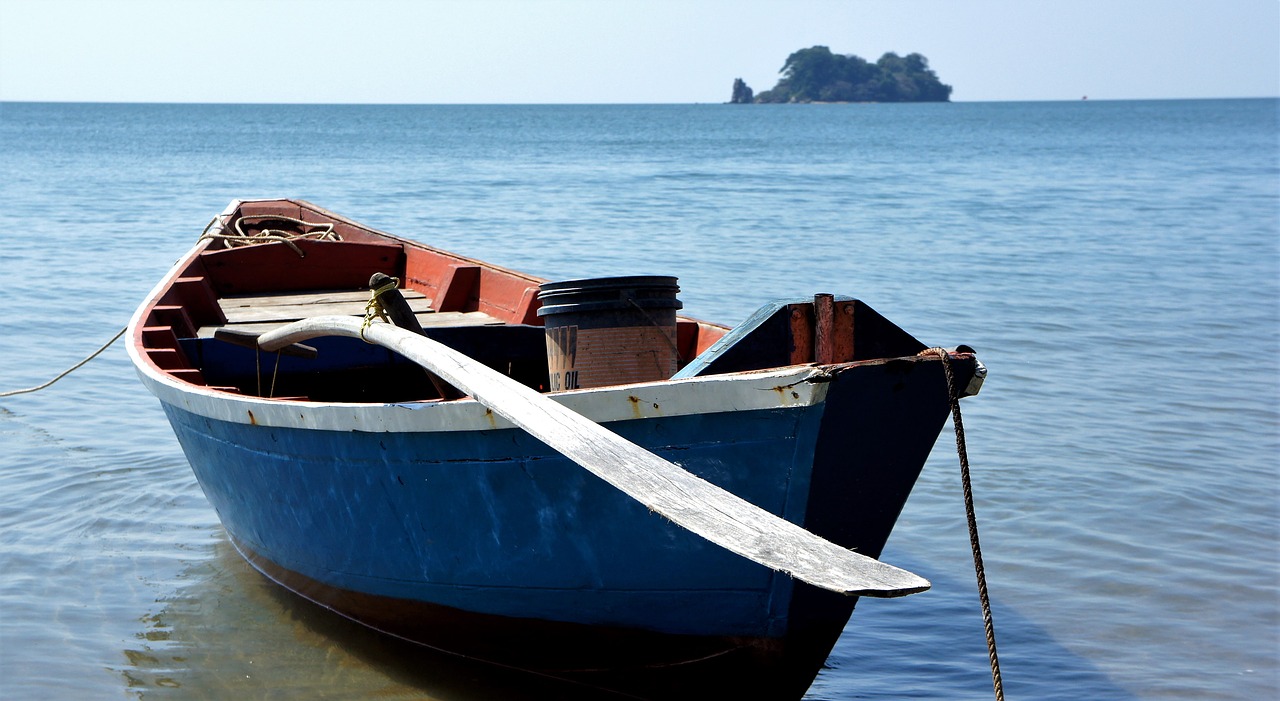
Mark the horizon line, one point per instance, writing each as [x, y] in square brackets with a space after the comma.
[597, 104]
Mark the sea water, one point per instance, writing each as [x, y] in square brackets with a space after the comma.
[1115, 264]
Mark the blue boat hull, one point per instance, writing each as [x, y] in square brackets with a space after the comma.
[459, 540]
[496, 523]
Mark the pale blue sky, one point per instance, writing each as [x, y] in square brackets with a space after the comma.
[613, 51]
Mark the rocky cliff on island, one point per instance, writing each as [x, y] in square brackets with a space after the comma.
[817, 75]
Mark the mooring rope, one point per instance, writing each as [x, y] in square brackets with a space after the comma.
[989, 626]
[322, 231]
[69, 370]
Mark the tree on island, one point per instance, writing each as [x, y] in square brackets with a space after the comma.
[817, 75]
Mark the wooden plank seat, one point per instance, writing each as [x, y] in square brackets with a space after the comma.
[352, 370]
[257, 314]
[241, 309]
[427, 319]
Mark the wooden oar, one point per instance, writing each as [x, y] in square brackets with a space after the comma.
[686, 499]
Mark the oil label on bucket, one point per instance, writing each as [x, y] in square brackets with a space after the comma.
[562, 351]
[582, 358]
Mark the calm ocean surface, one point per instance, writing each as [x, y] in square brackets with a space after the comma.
[1116, 264]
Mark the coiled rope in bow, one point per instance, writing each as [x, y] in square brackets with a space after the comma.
[315, 231]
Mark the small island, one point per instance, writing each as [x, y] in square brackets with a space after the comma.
[817, 75]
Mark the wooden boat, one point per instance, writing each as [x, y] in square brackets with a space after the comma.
[420, 503]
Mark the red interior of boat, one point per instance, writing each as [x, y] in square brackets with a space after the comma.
[450, 282]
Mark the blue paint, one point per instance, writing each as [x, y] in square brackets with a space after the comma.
[494, 522]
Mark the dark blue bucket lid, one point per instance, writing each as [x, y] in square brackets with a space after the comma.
[609, 293]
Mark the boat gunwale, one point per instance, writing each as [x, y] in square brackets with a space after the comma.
[786, 388]
[614, 403]
[781, 387]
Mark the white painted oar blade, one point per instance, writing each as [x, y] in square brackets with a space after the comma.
[663, 486]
